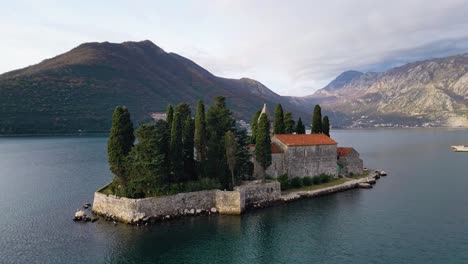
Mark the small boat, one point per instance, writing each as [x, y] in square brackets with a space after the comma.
[460, 148]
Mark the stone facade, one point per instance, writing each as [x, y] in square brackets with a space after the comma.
[226, 202]
[300, 160]
[349, 162]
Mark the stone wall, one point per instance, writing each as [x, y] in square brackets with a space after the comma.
[259, 193]
[276, 168]
[226, 202]
[311, 160]
[230, 202]
[131, 210]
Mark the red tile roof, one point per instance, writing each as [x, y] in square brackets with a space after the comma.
[274, 148]
[343, 152]
[305, 139]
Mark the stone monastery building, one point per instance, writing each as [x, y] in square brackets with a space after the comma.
[308, 155]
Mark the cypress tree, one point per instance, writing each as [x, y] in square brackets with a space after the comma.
[253, 125]
[176, 149]
[120, 142]
[218, 121]
[169, 116]
[326, 126]
[185, 116]
[244, 167]
[188, 145]
[317, 120]
[289, 124]
[300, 128]
[263, 145]
[200, 132]
[231, 154]
[278, 125]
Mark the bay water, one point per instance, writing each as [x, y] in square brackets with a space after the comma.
[417, 214]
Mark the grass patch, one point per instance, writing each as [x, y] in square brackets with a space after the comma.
[360, 176]
[334, 182]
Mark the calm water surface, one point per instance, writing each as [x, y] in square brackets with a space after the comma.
[418, 214]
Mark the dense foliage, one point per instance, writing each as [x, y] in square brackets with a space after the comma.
[298, 182]
[163, 161]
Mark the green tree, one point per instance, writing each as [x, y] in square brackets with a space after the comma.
[326, 126]
[278, 125]
[218, 121]
[231, 154]
[176, 149]
[263, 145]
[253, 126]
[188, 149]
[185, 115]
[148, 160]
[200, 133]
[300, 128]
[169, 116]
[317, 120]
[289, 124]
[244, 168]
[120, 142]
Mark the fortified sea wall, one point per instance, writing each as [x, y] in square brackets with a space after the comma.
[224, 202]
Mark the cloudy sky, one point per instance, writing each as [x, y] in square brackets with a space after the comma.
[293, 47]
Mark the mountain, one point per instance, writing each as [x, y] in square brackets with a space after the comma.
[427, 93]
[78, 90]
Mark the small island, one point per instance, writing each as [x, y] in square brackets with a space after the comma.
[179, 165]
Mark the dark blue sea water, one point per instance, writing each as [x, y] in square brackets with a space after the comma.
[418, 214]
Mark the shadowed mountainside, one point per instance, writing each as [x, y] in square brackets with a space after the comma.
[78, 90]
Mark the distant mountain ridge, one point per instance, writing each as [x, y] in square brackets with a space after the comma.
[431, 93]
[78, 90]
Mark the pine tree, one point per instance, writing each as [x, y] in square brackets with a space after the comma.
[263, 145]
[176, 149]
[278, 125]
[231, 154]
[289, 124]
[169, 116]
[300, 128]
[326, 126]
[200, 133]
[317, 120]
[120, 142]
[253, 125]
